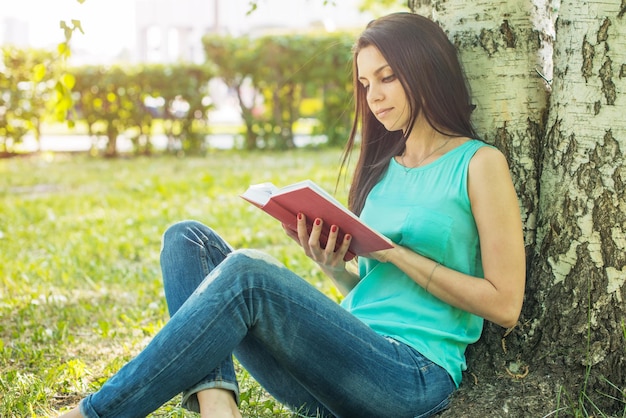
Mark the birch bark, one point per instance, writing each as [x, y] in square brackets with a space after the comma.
[501, 51]
[579, 272]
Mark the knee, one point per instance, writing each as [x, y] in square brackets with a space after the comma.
[252, 265]
[250, 269]
[248, 260]
[184, 232]
[180, 228]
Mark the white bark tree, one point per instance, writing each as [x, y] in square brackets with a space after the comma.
[565, 142]
[501, 51]
[579, 273]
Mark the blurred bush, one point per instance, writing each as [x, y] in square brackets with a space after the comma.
[277, 80]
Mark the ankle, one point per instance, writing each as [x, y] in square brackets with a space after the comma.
[218, 403]
[74, 413]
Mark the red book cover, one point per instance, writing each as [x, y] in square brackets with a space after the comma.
[308, 198]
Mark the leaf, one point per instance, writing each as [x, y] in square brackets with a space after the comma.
[67, 31]
[60, 89]
[69, 81]
[253, 6]
[39, 72]
[78, 25]
[63, 49]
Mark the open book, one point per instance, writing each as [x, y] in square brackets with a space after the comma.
[308, 198]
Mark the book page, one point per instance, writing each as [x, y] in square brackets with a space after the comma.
[260, 193]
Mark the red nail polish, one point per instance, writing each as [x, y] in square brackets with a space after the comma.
[300, 216]
[318, 222]
[348, 237]
[333, 228]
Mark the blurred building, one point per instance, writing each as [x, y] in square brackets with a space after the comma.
[123, 31]
[171, 30]
[14, 32]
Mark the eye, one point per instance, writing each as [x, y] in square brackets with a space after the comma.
[389, 78]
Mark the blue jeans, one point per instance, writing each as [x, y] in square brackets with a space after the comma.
[303, 348]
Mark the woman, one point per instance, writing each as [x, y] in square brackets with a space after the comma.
[395, 348]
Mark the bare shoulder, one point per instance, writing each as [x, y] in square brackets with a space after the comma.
[489, 176]
[489, 157]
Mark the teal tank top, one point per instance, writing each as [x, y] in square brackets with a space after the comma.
[426, 209]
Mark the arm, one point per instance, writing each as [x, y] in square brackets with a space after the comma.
[498, 297]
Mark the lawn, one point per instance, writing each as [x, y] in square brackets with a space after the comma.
[80, 282]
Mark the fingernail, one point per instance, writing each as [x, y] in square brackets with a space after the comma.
[318, 222]
[348, 237]
[300, 216]
[333, 228]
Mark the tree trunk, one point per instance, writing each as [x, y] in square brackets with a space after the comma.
[568, 169]
[578, 276]
[111, 147]
[248, 117]
[500, 51]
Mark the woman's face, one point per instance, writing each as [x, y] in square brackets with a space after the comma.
[386, 97]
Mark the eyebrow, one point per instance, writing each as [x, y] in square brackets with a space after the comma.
[377, 71]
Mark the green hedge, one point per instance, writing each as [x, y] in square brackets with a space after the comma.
[285, 77]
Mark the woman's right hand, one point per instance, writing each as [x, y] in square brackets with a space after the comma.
[329, 257]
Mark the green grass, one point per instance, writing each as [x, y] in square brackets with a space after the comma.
[80, 282]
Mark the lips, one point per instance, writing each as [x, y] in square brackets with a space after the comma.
[381, 113]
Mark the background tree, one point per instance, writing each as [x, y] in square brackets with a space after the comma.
[272, 76]
[142, 117]
[112, 101]
[26, 90]
[579, 262]
[64, 83]
[185, 90]
[281, 78]
[235, 61]
[566, 159]
[330, 74]
[104, 104]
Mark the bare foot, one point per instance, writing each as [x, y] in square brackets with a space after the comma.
[74, 413]
[217, 403]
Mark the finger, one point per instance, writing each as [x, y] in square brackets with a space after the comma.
[303, 234]
[332, 241]
[345, 246]
[316, 231]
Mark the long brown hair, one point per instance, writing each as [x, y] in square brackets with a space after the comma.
[426, 64]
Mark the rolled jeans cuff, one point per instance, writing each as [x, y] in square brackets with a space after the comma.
[86, 409]
[190, 398]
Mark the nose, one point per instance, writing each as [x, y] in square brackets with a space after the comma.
[374, 94]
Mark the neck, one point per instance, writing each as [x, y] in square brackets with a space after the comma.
[423, 141]
[423, 137]
[423, 145]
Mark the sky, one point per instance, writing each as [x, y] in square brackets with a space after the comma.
[108, 24]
